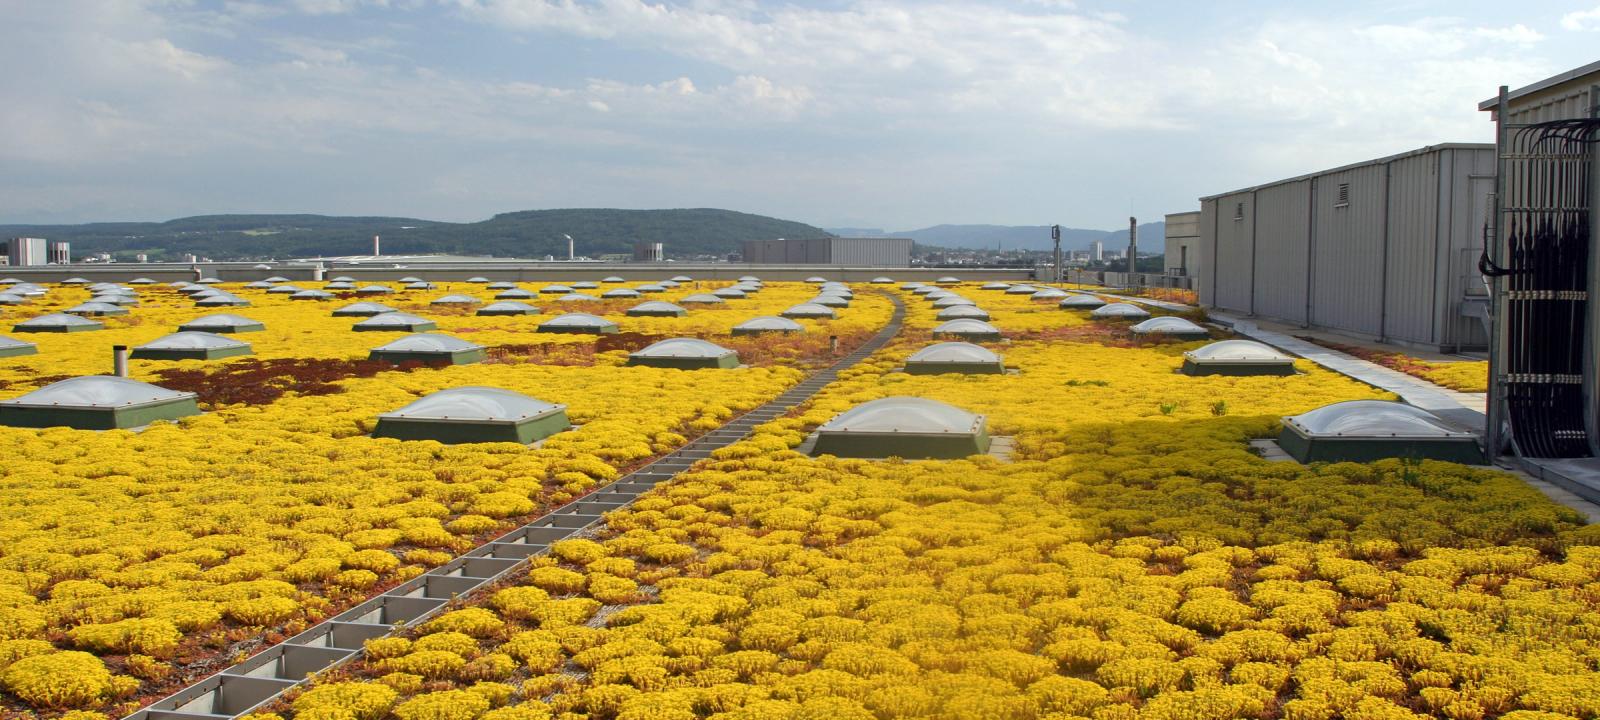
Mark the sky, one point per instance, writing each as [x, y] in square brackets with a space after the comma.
[892, 114]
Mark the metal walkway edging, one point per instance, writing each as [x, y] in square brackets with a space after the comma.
[256, 682]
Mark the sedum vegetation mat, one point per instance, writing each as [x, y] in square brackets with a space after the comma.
[1133, 559]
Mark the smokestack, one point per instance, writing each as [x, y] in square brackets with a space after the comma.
[375, 251]
[570, 254]
[1133, 247]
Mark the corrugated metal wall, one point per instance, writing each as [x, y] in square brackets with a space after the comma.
[884, 252]
[1232, 268]
[1282, 247]
[1416, 273]
[1347, 251]
[1204, 285]
[1388, 255]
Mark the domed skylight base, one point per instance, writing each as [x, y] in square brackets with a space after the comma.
[954, 357]
[431, 349]
[767, 324]
[97, 402]
[190, 345]
[1368, 430]
[685, 354]
[222, 324]
[474, 415]
[1238, 358]
[11, 347]
[905, 427]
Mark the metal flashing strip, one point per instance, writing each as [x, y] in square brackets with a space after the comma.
[256, 682]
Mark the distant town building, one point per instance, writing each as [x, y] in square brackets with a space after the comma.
[141, 257]
[1385, 249]
[861, 252]
[649, 252]
[1097, 251]
[60, 252]
[24, 251]
[1183, 240]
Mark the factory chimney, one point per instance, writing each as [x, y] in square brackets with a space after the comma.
[375, 251]
[570, 255]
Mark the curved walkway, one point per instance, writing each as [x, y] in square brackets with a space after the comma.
[242, 688]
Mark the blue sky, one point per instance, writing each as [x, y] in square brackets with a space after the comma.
[893, 114]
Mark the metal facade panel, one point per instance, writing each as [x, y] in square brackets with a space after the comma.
[1282, 226]
[877, 252]
[1204, 289]
[1347, 254]
[1415, 249]
[1464, 209]
[1230, 264]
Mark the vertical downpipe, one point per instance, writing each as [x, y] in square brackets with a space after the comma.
[1311, 246]
[1254, 216]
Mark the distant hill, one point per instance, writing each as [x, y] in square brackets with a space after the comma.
[1019, 237]
[529, 233]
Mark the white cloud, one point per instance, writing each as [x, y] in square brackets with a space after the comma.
[1582, 20]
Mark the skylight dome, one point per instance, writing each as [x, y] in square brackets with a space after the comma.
[962, 311]
[223, 300]
[832, 301]
[954, 357]
[1366, 430]
[585, 285]
[656, 308]
[700, 299]
[948, 280]
[1120, 311]
[258, 285]
[1172, 326]
[141, 281]
[729, 293]
[12, 347]
[615, 293]
[749, 278]
[339, 286]
[419, 285]
[555, 290]
[96, 309]
[474, 414]
[75, 281]
[58, 322]
[411, 279]
[809, 310]
[515, 293]
[910, 285]
[925, 289]
[612, 279]
[997, 285]
[767, 324]
[682, 279]
[650, 288]
[967, 329]
[190, 345]
[277, 279]
[428, 347]
[478, 279]
[577, 297]
[115, 299]
[501, 285]
[1021, 290]
[950, 301]
[1048, 294]
[508, 307]
[12, 299]
[222, 323]
[882, 280]
[362, 309]
[668, 283]
[685, 354]
[343, 279]
[284, 289]
[1081, 302]
[97, 402]
[374, 290]
[816, 279]
[581, 323]
[1237, 357]
[396, 322]
[455, 300]
[907, 427]
[318, 295]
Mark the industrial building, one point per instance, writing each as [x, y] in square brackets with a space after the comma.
[1544, 378]
[24, 251]
[855, 252]
[1385, 249]
[1183, 244]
